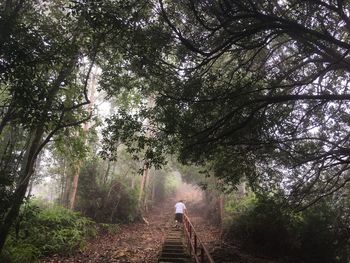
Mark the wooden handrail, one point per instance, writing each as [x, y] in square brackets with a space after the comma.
[195, 246]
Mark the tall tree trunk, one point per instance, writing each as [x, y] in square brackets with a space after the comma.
[86, 127]
[154, 188]
[222, 213]
[30, 188]
[142, 187]
[74, 185]
[132, 181]
[105, 177]
[35, 173]
[146, 192]
[67, 189]
[27, 169]
[63, 184]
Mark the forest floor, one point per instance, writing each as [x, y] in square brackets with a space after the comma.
[140, 242]
[134, 242]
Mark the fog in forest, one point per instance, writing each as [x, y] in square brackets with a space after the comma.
[113, 111]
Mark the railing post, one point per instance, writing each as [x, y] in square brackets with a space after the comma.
[191, 232]
[195, 244]
[190, 238]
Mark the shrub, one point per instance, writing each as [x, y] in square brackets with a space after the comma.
[18, 252]
[43, 231]
[109, 202]
[113, 204]
[263, 228]
[324, 234]
[315, 235]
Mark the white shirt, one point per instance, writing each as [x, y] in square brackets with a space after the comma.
[179, 208]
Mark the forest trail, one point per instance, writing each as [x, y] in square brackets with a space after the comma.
[141, 243]
[134, 242]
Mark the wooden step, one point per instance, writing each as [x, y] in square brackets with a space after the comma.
[173, 249]
[170, 260]
[174, 255]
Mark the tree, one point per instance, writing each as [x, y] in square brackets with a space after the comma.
[261, 85]
[48, 50]
[42, 91]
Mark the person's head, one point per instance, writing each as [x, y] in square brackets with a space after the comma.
[181, 201]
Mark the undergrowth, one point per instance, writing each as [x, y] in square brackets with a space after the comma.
[264, 227]
[42, 231]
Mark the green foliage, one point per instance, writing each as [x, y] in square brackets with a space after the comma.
[104, 197]
[172, 182]
[42, 231]
[45, 56]
[15, 252]
[235, 206]
[71, 144]
[131, 131]
[263, 226]
[165, 183]
[324, 234]
[259, 101]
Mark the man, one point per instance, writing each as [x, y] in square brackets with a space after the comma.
[180, 208]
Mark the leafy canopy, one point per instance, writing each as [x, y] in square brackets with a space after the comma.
[260, 85]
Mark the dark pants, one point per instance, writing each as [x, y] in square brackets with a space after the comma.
[178, 217]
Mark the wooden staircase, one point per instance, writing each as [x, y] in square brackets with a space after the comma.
[174, 249]
[184, 245]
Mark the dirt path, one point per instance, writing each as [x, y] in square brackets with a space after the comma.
[141, 243]
[137, 242]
